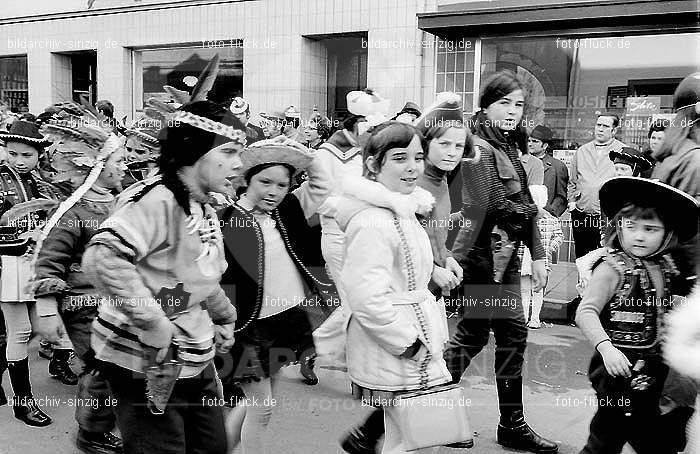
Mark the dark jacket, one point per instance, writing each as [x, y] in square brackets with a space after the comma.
[485, 205]
[243, 244]
[556, 178]
[58, 270]
[253, 133]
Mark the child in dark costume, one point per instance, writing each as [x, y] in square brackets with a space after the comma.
[623, 308]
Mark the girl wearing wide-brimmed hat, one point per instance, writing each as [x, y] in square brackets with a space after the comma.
[20, 183]
[274, 264]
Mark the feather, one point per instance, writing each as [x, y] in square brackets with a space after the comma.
[22, 209]
[162, 107]
[179, 96]
[206, 80]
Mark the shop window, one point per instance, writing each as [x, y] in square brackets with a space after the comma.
[14, 87]
[455, 69]
[179, 68]
[570, 80]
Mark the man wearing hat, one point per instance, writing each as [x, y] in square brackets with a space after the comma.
[629, 162]
[241, 109]
[556, 176]
[408, 113]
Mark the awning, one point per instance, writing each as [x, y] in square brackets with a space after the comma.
[547, 17]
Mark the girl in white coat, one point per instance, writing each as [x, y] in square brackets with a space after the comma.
[385, 345]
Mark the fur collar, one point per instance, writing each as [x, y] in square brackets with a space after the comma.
[682, 347]
[419, 202]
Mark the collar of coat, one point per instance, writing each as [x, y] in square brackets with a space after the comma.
[419, 202]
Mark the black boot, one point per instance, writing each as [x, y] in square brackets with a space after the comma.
[23, 404]
[45, 349]
[307, 370]
[60, 369]
[513, 431]
[99, 442]
[3, 368]
[364, 439]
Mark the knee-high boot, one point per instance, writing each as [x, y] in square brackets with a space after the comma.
[3, 367]
[513, 431]
[23, 405]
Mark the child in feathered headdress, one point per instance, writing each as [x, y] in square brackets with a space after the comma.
[88, 159]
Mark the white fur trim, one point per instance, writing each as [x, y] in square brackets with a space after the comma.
[682, 347]
[404, 205]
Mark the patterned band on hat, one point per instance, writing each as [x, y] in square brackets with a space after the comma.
[144, 136]
[212, 126]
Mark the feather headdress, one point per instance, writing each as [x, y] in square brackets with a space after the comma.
[166, 114]
[82, 143]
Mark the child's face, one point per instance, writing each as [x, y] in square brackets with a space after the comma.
[623, 170]
[642, 237]
[22, 157]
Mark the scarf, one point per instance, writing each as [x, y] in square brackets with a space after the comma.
[500, 141]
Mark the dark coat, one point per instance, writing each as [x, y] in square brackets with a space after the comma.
[556, 178]
[486, 205]
[245, 254]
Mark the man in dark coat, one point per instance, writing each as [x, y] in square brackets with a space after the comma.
[556, 176]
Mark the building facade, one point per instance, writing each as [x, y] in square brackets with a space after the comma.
[276, 53]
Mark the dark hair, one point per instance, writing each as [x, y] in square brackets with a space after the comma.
[183, 144]
[635, 211]
[435, 132]
[350, 122]
[388, 135]
[106, 107]
[615, 117]
[260, 167]
[323, 126]
[499, 85]
[659, 125]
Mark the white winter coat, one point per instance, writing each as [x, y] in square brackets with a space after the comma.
[375, 286]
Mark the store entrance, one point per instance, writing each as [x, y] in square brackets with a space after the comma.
[84, 76]
[347, 71]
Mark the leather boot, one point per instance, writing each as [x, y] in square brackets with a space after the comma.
[59, 368]
[513, 432]
[307, 370]
[3, 368]
[23, 404]
[99, 442]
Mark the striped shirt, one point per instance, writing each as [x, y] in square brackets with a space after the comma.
[151, 247]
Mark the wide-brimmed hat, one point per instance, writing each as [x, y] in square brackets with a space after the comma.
[280, 150]
[446, 110]
[25, 132]
[542, 133]
[632, 157]
[678, 208]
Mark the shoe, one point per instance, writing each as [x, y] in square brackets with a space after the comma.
[462, 445]
[27, 411]
[534, 325]
[522, 437]
[45, 349]
[355, 442]
[307, 370]
[99, 442]
[61, 371]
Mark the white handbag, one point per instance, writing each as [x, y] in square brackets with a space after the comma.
[434, 416]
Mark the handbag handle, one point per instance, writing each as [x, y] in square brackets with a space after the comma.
[416, 306]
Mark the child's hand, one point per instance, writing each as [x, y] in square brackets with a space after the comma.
[616, 363]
